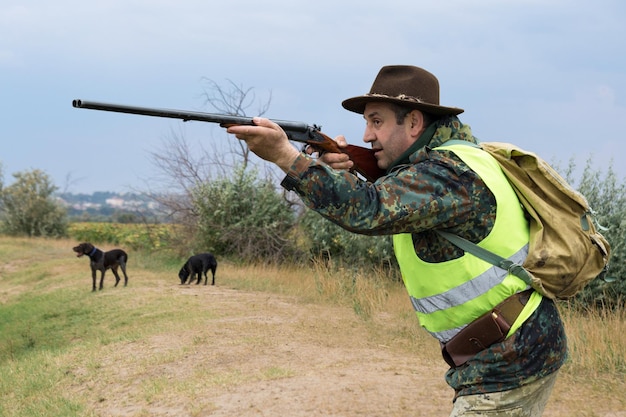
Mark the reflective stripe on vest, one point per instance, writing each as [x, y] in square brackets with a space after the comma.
[449, 295]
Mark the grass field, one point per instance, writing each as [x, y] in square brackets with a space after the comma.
[263, 341]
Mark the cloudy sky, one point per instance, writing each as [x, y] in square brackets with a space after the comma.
[548, 75]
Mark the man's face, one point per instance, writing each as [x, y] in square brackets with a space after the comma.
[388, 139]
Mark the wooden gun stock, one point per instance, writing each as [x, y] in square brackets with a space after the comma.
[365, 163]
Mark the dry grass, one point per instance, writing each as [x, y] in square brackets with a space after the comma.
[263, 341]
[597, 340]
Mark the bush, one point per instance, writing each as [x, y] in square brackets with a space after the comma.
[243, 218]
[29, 209]
[328, 241]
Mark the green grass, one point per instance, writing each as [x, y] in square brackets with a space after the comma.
[50, 319]
[48, 313]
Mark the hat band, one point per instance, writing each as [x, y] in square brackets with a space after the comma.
[399, 97]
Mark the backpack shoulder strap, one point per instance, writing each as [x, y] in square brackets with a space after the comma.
[514, 268]
[493, 258]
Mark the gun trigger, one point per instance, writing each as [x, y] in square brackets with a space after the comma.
[310, 150]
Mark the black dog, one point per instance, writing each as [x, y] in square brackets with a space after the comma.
[101, 261]
[198, 265]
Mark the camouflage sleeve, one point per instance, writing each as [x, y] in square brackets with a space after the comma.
[412, 199]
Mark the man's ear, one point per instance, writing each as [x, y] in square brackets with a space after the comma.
[417, 122]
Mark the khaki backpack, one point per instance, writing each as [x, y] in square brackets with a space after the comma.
[566, 251]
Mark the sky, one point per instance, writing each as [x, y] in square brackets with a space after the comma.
[547, 75]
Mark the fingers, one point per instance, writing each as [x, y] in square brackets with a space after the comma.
[341, 141]
[334, 160]
[337, 160]
[261, 121]
[267, 140]
[247, 132]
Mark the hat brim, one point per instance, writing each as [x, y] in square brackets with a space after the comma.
[357, 105]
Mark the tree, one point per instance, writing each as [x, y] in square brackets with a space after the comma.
[234, 101]
[220, 201]
[184, 168]
[28, 206]
[607, 197]
[244, 216]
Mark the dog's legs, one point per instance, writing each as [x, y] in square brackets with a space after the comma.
[199, 275]
[123, 267]
[102, 278]
[213, 273]
[93, 278]
[117, 276]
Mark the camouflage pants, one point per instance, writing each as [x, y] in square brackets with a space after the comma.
[525, 401]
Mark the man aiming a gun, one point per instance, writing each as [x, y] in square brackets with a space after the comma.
[502, 364]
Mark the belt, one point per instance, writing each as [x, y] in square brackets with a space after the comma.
[486, 330]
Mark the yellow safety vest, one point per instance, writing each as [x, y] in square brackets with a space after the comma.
[447, 296]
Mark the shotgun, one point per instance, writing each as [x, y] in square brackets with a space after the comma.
[365, 162]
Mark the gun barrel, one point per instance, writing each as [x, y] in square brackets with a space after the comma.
[365, 159]
[222, 119]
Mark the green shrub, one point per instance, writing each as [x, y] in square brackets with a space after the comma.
[133, 236]
[328, 241]
[244, 218]
[28, 208]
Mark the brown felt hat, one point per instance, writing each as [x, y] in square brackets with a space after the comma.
[407, 86]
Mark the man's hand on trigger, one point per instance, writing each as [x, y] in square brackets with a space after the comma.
[338, 160]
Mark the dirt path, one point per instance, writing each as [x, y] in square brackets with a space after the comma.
[261, 354]
[266, 355]
[345, 376]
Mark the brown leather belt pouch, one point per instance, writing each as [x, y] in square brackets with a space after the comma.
[486, 330]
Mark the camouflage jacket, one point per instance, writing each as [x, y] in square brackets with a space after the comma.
[426, 190]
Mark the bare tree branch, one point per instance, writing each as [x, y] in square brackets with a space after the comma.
[234, 100]
[184, 168]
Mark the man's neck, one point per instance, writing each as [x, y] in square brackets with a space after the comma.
[423, 140]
